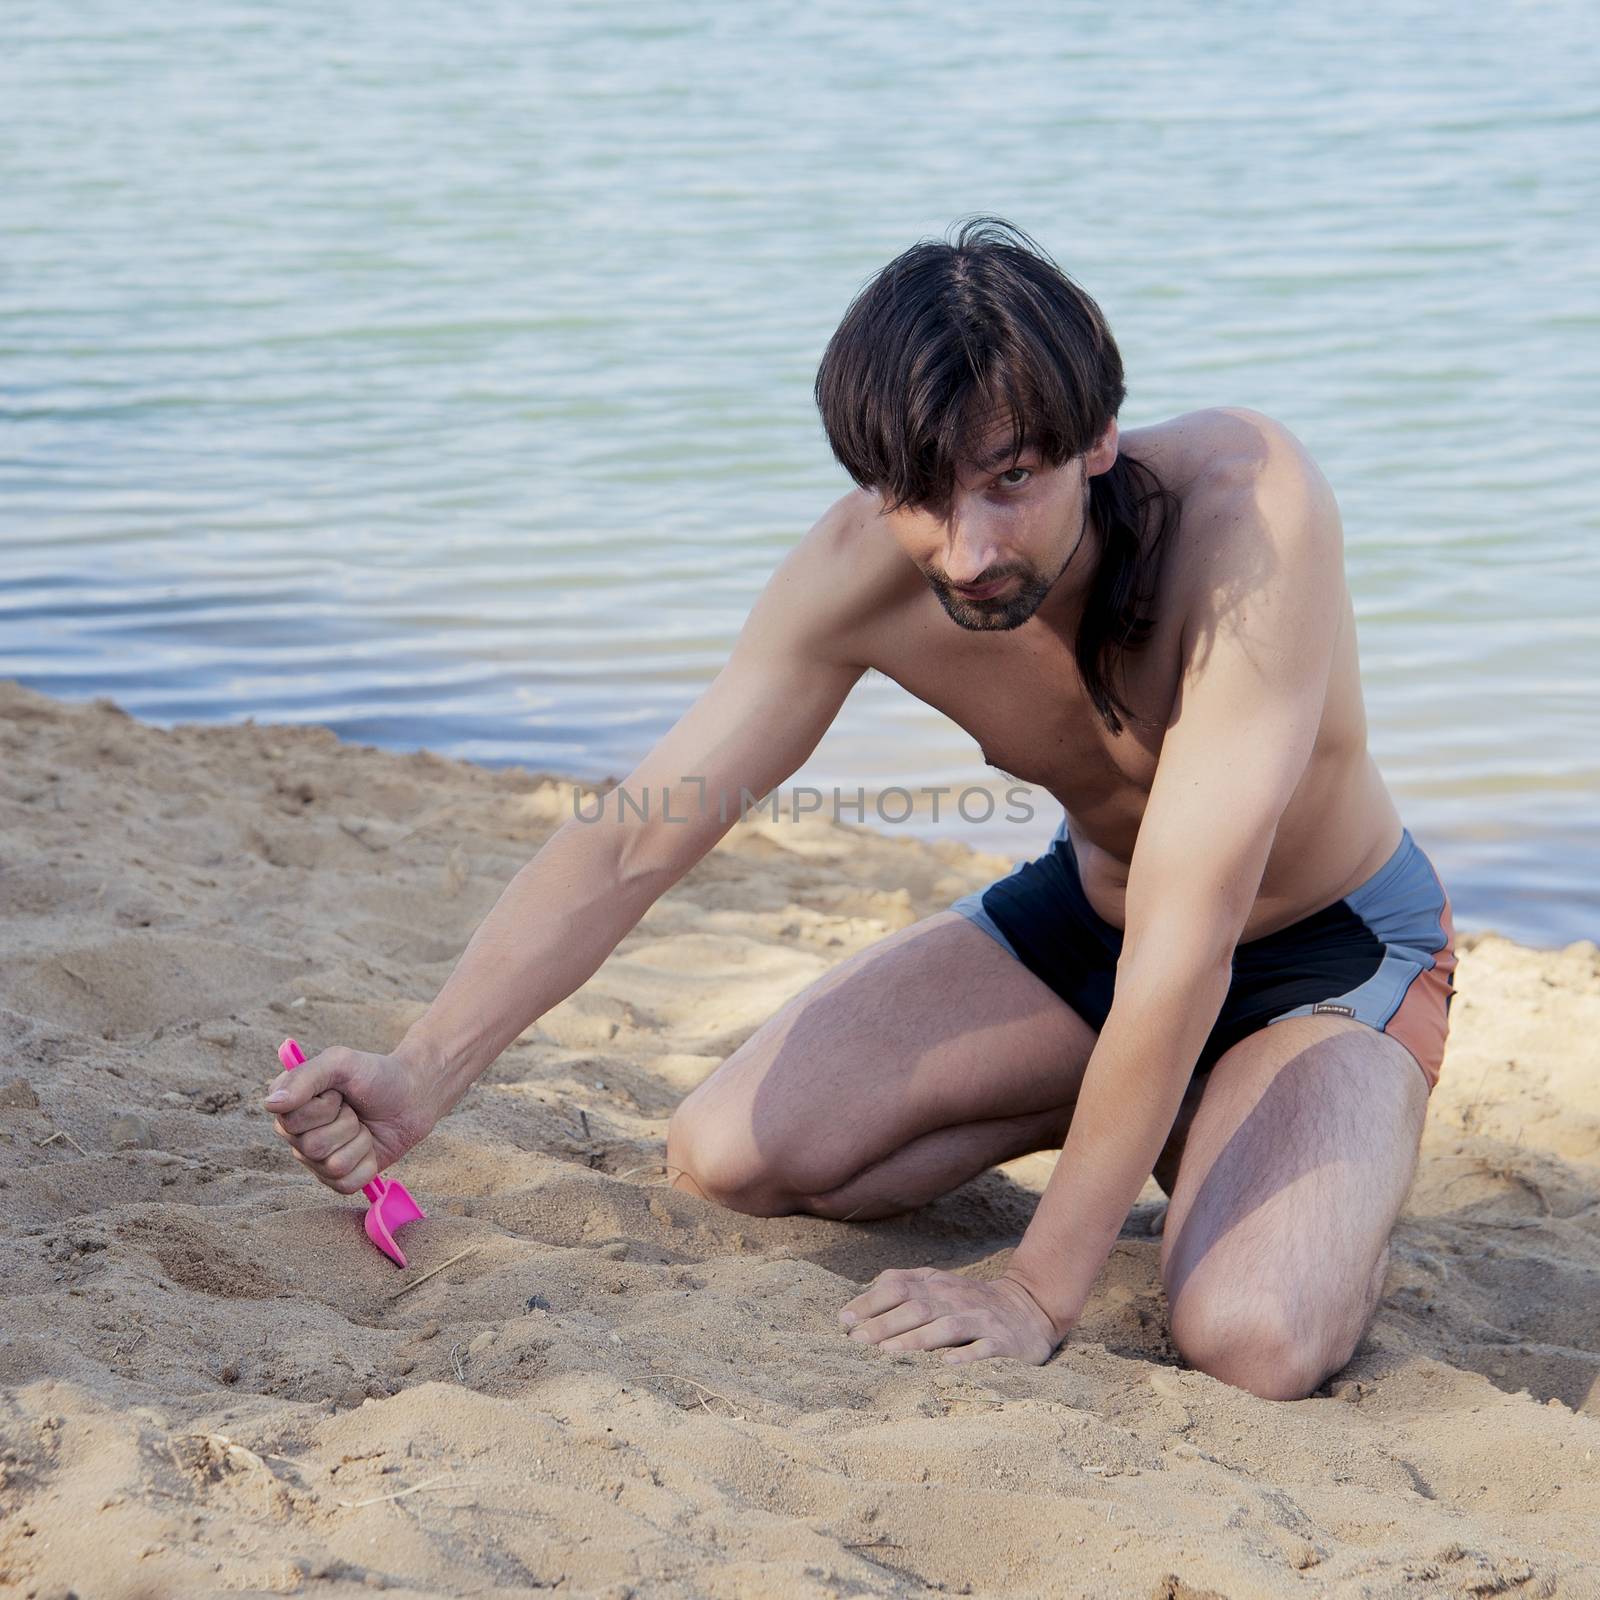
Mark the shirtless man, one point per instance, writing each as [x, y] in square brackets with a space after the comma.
[1232, 967]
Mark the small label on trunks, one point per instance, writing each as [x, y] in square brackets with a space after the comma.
[1333, 1007]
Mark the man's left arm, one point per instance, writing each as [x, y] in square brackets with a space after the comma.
[1256, 655]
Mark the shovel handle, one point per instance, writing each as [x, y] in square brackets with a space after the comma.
[292, 1056]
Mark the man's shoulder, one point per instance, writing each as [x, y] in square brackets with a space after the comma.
[831, 592]
[851, 530]
[1213, 453]
[1249, 488]
[1255, 451]
[850, 551]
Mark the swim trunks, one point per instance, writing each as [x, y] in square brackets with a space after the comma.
[1384, 954]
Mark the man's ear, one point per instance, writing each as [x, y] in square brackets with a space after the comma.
[1104, 452]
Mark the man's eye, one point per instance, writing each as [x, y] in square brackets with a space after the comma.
[1026, 474]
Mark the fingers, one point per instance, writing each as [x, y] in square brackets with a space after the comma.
[348, 1168]
[978, 1350]
[926, 1309]
[916, 1326]
[888, 1289]
[358, 1177]
[315, 1113]
[902, 1318]
[289, 1091]
[318, 1144]
[959, 1328]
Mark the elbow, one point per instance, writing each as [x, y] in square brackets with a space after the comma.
[647, 857]
[597, 857]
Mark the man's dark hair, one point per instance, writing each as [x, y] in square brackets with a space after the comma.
[950, 335]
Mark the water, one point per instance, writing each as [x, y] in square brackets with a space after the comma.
[443, 374]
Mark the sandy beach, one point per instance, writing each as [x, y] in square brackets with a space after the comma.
[213, 1384]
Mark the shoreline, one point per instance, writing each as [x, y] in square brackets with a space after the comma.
[1534, 913]
[619, 1384]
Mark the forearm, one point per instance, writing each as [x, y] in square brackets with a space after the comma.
[550, 930]
[1131, 1092]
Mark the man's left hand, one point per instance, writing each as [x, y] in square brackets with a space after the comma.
[922, 1308]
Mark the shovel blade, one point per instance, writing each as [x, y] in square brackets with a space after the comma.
[391, 1209]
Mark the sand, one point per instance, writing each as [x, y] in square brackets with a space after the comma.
[213, 1384]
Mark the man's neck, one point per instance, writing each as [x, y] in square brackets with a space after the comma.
[1062, 609]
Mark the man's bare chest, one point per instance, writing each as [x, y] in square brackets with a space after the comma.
[1021, 698]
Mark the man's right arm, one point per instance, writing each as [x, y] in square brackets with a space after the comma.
[591, 882]
[347, 1113]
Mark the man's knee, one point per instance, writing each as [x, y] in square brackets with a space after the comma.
[1253, 1344]
[706, 1156]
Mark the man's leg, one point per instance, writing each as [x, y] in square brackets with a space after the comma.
[1295, 1168]
[894, 1078]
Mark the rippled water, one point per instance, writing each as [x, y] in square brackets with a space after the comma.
[443, 374]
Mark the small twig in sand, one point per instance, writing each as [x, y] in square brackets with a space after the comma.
[358, 830]
[359, 834]
[681, 1378]
[399, 1494]
[456, 1362]
[41, 1143]
[648, 1166]
[427, 822]
[460, 1255]
[137, 1340]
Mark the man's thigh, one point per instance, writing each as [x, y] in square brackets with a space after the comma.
[1294, 1169]
[932, 1026]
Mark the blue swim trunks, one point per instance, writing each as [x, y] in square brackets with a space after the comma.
[1384, 954]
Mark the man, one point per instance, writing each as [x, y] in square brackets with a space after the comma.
[1231, 968]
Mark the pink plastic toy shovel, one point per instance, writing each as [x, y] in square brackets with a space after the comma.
[391, 1207]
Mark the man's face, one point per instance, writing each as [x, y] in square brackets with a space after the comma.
[1015, 526]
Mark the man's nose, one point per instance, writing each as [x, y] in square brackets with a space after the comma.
[970, 548]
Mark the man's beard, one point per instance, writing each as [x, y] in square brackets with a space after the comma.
[997, 615]
[1000, 615]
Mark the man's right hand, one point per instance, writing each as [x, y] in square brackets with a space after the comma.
[347, 1115]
